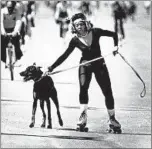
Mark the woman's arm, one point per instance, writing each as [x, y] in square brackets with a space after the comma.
[109, 34]
[65, 55]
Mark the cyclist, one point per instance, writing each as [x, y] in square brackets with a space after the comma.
[85, 7]
[31, 10]
[87, 40]
[147, 6]
[119, 16]
[10, 23]
[3, 4]
[22, 7]
[61, 16]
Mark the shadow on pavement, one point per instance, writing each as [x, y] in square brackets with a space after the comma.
[57, 137]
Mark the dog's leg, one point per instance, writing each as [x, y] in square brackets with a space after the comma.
[49, 113]
[33, 110]
[55, 100]
[43, 111]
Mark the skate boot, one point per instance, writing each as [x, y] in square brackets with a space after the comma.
[81, 125]
[114, 125]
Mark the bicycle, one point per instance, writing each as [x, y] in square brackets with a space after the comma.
[10, 55]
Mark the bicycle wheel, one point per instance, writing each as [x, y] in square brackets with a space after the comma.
[11, 66]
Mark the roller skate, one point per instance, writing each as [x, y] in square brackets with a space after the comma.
[82, 128]
[114, 126]
[81, 125]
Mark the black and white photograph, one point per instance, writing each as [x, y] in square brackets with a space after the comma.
[75, 74]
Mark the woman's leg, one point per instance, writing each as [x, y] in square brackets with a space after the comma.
[85, 76]
[103, 79]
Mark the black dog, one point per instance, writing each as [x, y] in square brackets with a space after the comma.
[43, 89]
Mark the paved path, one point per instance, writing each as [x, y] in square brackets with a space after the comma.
[133, 112]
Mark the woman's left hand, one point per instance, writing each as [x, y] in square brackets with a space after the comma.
[115, 50]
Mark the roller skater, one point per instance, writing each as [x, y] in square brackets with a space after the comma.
[86, 39]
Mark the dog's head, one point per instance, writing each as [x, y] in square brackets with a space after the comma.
[32, 72]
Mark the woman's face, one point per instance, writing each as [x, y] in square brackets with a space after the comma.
[80, 26]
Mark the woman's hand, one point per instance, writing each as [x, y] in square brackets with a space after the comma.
[50, 69]
[115, 50]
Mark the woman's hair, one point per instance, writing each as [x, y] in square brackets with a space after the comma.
[76, 16]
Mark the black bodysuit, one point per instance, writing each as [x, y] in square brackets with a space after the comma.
[98, 68]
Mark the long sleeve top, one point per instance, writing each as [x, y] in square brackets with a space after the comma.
[88, 52]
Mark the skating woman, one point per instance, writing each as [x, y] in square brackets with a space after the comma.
[87, 40]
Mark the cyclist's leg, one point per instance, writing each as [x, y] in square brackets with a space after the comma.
[3, 48]
[122, 28]
[16, 43]
[115, 24]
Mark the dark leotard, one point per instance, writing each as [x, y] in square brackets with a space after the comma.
[98, 68]
[88, 52]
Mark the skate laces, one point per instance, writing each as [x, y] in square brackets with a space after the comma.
[83, 117]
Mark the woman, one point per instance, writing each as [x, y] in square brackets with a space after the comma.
[87, 40]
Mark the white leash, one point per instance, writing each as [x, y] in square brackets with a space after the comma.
[82, 64]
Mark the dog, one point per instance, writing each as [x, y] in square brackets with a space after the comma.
[43, 89]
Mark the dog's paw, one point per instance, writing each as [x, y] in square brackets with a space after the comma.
[61, 122]
[49, 126]
[43, 125]
[31, 125]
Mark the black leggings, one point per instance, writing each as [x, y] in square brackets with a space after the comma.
[102, 77]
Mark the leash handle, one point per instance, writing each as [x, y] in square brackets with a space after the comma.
[143, 92]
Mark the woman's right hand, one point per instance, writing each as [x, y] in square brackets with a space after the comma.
[50, 68]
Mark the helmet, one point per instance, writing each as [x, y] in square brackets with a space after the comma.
[76, 16]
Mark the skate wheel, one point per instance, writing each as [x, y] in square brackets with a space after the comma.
[85, 129]
[109, 130]
[77, 129]
[119, 131]
[31, 125]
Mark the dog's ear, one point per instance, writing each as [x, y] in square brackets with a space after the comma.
[34, 64]
[38, 68]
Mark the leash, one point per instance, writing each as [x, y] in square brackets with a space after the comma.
[85, 63]
[82, 64]
[143, 93]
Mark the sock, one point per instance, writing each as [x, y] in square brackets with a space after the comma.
[111, 112]
[83, 107]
